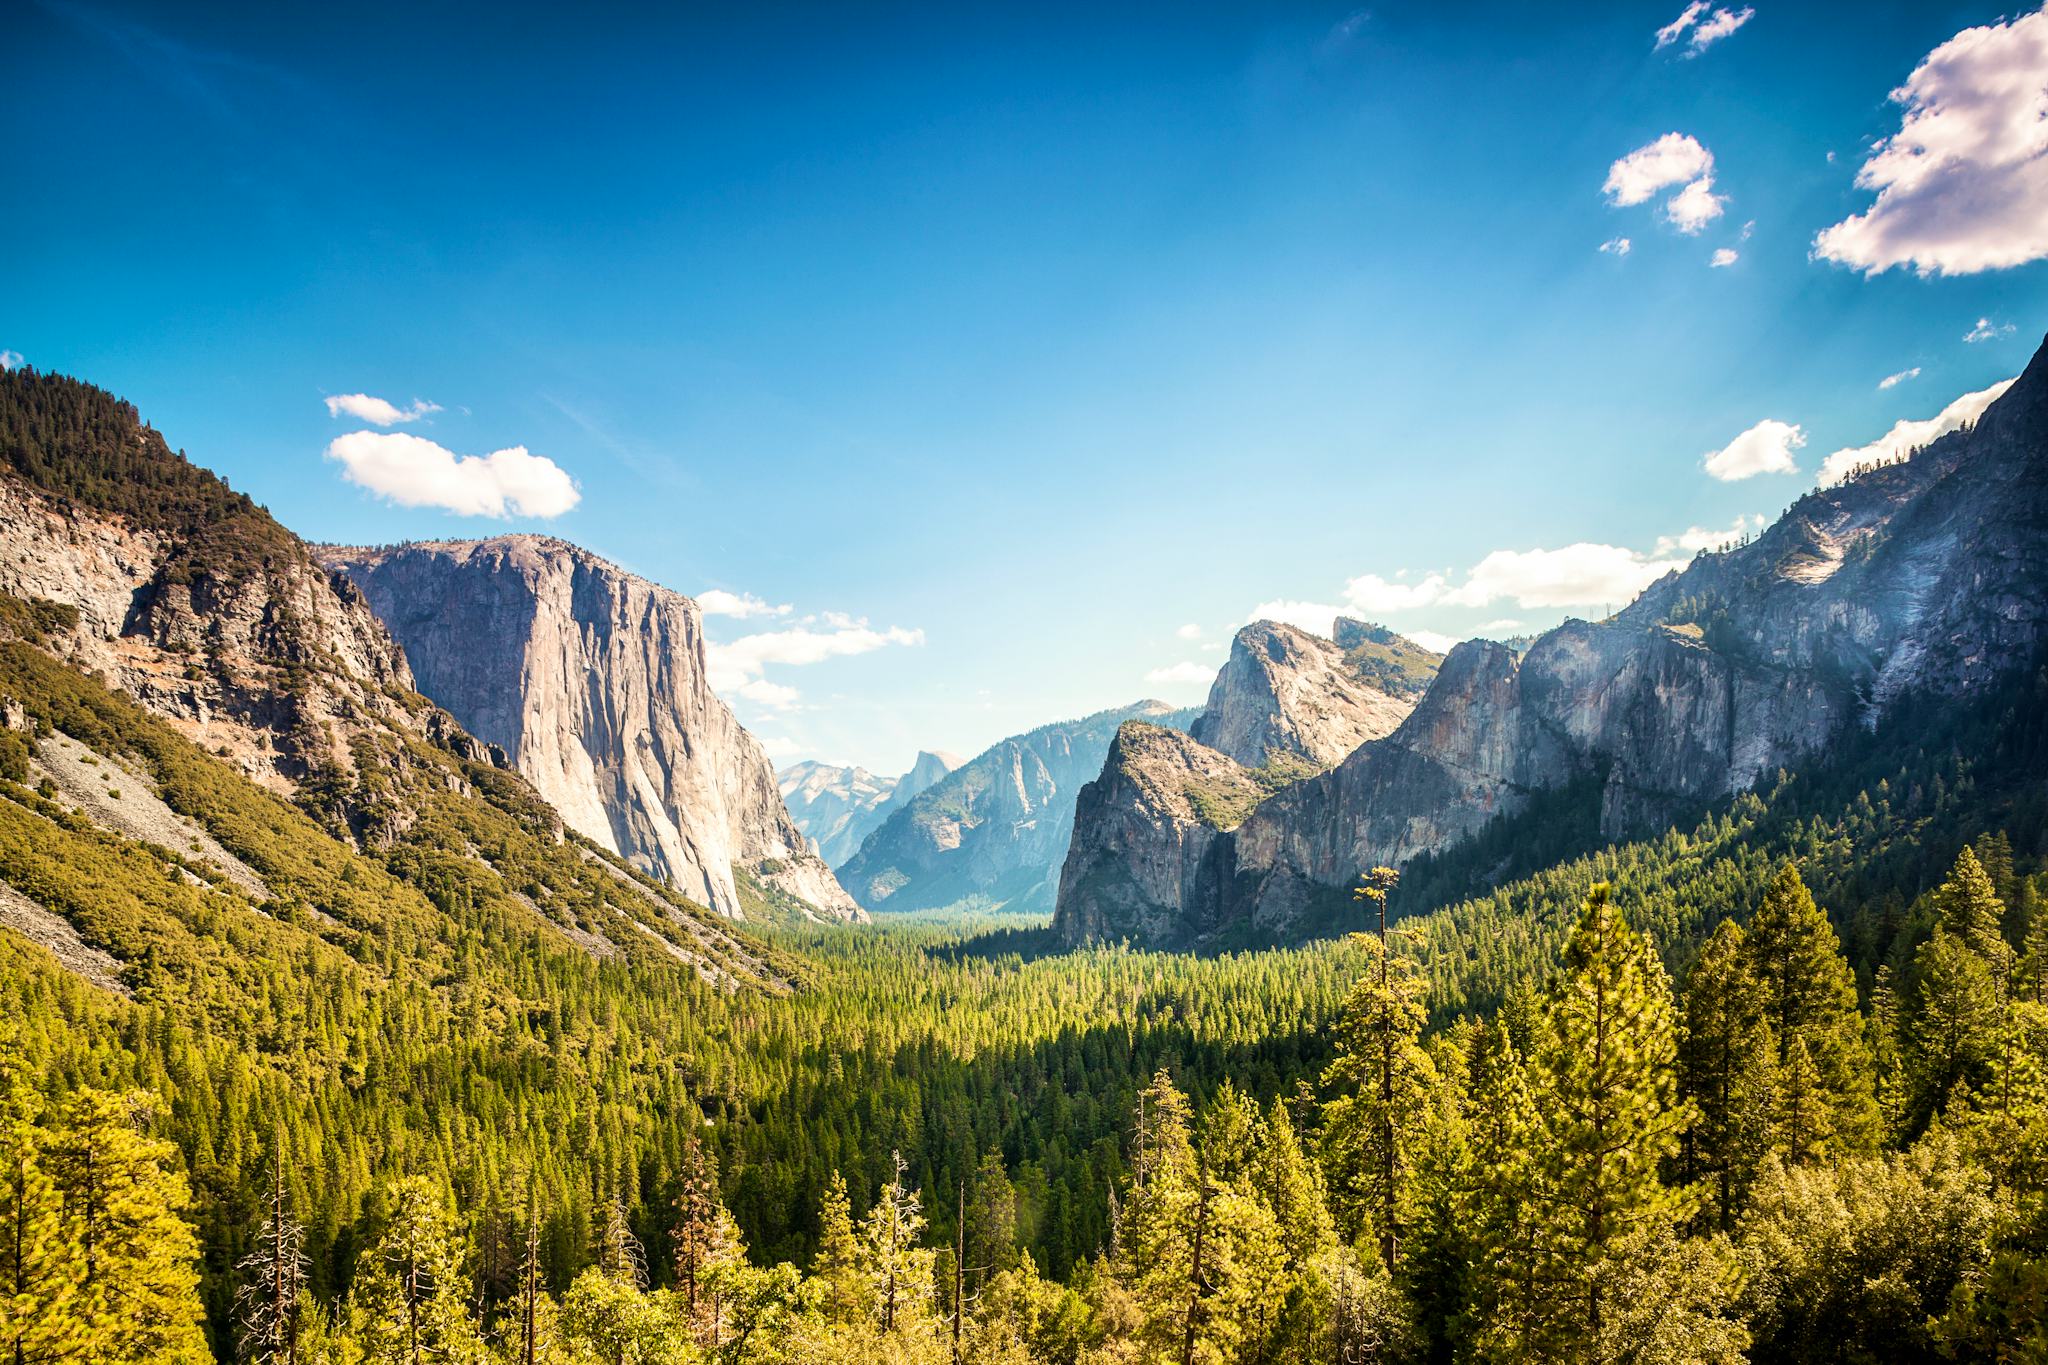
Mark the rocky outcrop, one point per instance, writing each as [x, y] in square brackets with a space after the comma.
[992, 833]
[1924, 577]
[594, 682]
[1286, 692]
[836, 807]
[1147, 830]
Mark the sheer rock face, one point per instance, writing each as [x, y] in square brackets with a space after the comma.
[994, 831]
[1144, 840]
[594, 681]
[1928, 576]
[1285, 691]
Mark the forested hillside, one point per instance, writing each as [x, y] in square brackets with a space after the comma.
[380, 1064]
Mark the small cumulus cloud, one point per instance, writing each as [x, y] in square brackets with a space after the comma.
[1190, 631]
[779, 748]
[1186, 673]
[1673, 159]
[741, 605]
[1892, 381]
[1765, 448]
[366, 408]
[1723, 258]
[1617, 246]
[11, 360]
[1705, 26]
[1695, 206]
[1585, 574]
[415, 472]
[1506, 625]
[1371, 593]
[1962, 186]
[1906, 437]
[1987, 330]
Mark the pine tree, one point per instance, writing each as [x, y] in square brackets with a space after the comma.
[1968, 907]
[410, 1301]
[1810, 995]
[273, 1276]
[138, 1293]
[1608, 1096]
[1291, 1186]
[897, 1269]
[1508, 1302]
[1384, 1079]
[697, 1234]
[1952, 1025]
[1726, 1061]
[40, 1259]
[838, 1265]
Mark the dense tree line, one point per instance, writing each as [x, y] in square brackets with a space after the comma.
[1744, 1166]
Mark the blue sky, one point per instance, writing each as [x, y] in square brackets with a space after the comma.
[1048, 343]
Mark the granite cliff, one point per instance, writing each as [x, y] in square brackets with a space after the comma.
[1284, 691]
[1928, 576]
[594, 682]
[991, 834]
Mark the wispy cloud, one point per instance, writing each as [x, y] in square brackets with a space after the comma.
[414, 472]
[1765, 448]
[1892, 381]
[363, 407]
[1617, 246]
[1190, 631]
[1723, 258]
[1987, 330]
[742, 605]
[1962, 186]
[1906, 437]
[737, 667]
[1706, 27]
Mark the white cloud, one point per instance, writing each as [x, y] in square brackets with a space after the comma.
[1574, 576]
[1673, 159]
[1617, 246]
[1675, 30]
[1765, 448]
[365, 408]
[1696, 538]
[719, 602]
[1986, 330]
[1892, 381]
[1724, 257]
[1372, 594]
[10, 360]
[1905, 437]
[735, 667]
[1695, 206]
[1506, 625]
[1190, 631]
[1433, 640]
[1184, 673]
[1962, 187]
[1718, 26]
[414, 472]
[1707, 29]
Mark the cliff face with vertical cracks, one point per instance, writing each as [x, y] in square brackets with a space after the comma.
[594, 681]
[1285, 691]
[1928, 577]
